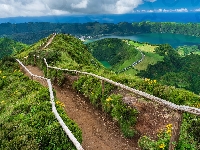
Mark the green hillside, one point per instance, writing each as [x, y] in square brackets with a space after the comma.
[187, 50]
[118, 53]
[178, 69]
[66, 51]
[26, 118]
[123, 53]
[8, 47]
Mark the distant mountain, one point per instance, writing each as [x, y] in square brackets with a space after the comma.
[110, 18]
[31, 32]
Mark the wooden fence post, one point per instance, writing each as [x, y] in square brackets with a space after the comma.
[176, 128]
[56, 77]
[34, 60]
[103, 86]
[47, 71]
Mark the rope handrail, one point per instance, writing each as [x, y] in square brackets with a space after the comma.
[192, 110]
[54, 110]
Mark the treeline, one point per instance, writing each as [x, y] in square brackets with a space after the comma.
[33, 31]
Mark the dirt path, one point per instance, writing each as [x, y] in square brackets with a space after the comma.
[99, 132]
[49, 41]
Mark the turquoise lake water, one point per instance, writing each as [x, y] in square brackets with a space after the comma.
[174, 40]
[106, 64]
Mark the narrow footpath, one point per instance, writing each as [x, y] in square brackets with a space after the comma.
[99, 132]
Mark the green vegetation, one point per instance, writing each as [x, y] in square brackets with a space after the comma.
[32, 32]
[150, 56]
[187, 50]
[189, 138]
[118, 53]
[68, 52]
[181, 72]
[26, 118]
[109, 103]
[8, 47]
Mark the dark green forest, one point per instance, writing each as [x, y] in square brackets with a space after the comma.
[8, 47]
[31, 32]
[181, 72]
[112, 50]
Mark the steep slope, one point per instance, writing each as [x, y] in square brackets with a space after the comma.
[99, 132]
[110, 100]
[26, 118]
[175, 70]
[8, 47]
[64, 51]
[118, 53]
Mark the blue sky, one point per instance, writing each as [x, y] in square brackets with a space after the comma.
[170, 6]
[25, 8]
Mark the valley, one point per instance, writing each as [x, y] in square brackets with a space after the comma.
[105, 109]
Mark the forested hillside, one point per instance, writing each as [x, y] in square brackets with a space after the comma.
[175, 70]
[33, 31]
[8, 47]
[116, 52]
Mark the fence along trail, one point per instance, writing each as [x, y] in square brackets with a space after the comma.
[54, 110]
[168, 104]
[179, 109]
[98, 131]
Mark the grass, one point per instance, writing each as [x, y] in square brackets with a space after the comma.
[150, 56]
[143, 47]
[26, 118]
[129, 62]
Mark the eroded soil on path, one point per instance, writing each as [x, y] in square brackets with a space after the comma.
[98, 130]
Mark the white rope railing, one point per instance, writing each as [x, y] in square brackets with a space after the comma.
[192, 110]
[65, 128]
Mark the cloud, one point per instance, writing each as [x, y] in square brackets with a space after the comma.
[12, 8]
[150, 0]
[164, 10]
[197, 10]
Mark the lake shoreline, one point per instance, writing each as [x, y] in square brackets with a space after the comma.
[175, 40]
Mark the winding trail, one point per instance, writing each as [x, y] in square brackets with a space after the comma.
[49, 41]
[99, 132]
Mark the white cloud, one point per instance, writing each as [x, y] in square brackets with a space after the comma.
[198, 9]
[11, 8]
[151, 0]
[82, 4]
[164, 10]
[181, 10]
